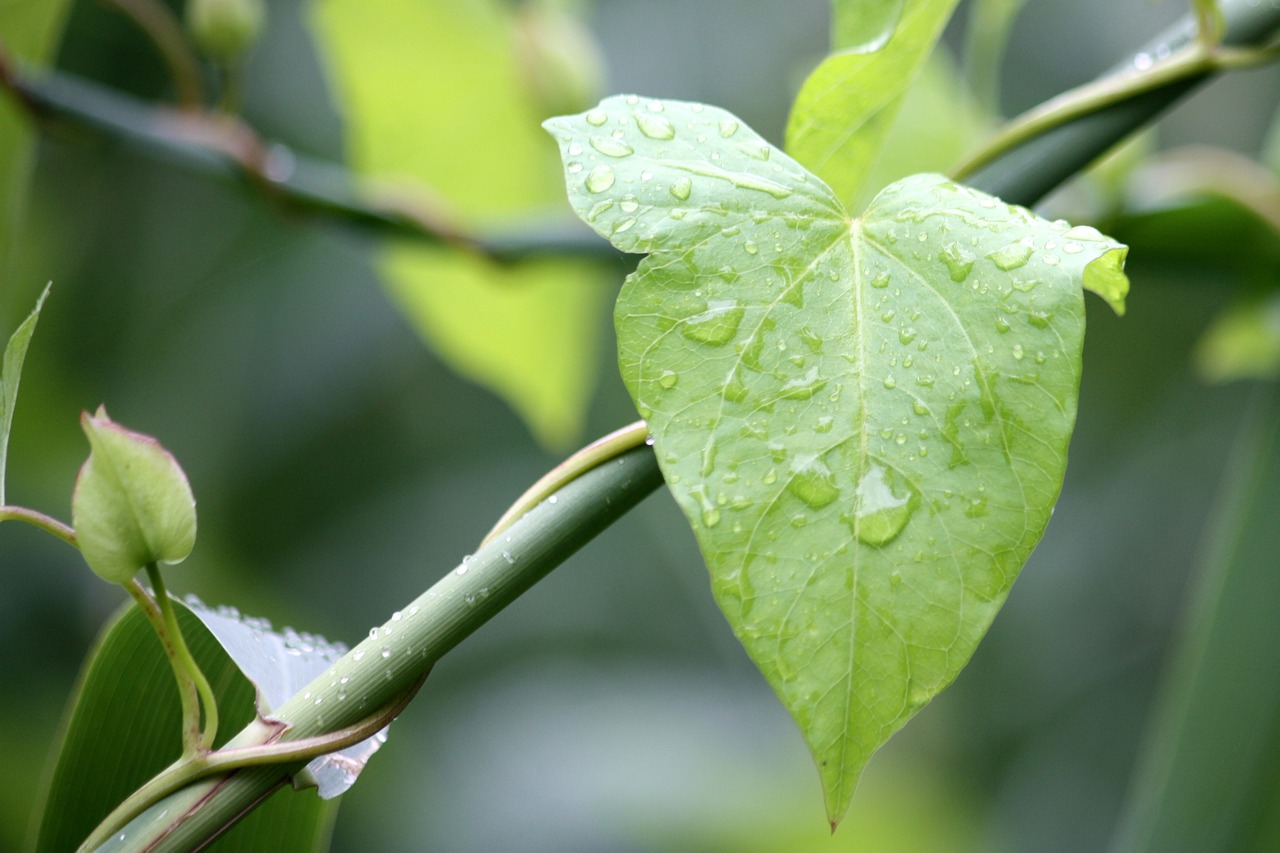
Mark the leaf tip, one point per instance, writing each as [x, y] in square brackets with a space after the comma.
[1105, 276]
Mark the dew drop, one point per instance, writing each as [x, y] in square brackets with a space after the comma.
[728, 127]
[750, 247]
[959, 262]
[653, 126]
[882, 507]
[595, 118]
[668, 379]
[611, 147]
[711, 517]
[599, 179]
[597, 209]
[681, 188]
[812, 482]
[716, 326]
[624, 225]
[628, 204]
[1011, 256]
[1002, 325]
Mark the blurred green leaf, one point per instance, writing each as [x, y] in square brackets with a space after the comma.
[431, 93]
[1207, 777]
[122, 727]
[938, 122]
[863, 25]
[986, 37]
[30, 30]
[847, 105]
[865, 420]
[1243, 342]
[15, 353]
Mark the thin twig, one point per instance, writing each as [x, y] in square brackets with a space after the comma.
[226, 147]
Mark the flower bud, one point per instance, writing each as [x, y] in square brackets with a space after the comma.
[132, 505]
[225, 29]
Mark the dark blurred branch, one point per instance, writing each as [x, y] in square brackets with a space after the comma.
[228, 149]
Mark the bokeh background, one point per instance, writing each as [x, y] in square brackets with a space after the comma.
[340, 467]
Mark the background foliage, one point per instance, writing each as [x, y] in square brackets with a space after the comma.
[340, 467]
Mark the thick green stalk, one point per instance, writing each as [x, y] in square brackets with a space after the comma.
[376, 672]
[1033, 170]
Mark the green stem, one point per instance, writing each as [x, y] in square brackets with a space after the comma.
[596, 453]
[191, 679]
[188, 695]
[396, 655]
[1026, 173]
[38, 519]
[222, 147]
[193, 768]
[1192, 61]
[165, 31]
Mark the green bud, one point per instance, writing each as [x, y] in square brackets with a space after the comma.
[132, 504]
[225, 29]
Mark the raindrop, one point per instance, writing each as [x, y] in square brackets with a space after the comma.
[599, 179]
[716, 326]
[882, 507]
[668, 379]
[611, 147]
[750, 247]
[1011, 256]
[653, 126]
[728, 127]
[958, 261]
[596, 118]
[812, 482]
[624, 225]
[681, 188]
[628, 204]
[598, 208]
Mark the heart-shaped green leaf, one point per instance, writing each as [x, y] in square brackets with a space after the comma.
[865, 419]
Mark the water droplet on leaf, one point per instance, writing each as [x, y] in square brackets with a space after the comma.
[599, 179]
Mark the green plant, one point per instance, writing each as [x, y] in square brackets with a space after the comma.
[864, 418]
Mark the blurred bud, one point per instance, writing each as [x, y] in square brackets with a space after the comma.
[132, 504]
[557, 57]
[225, 29]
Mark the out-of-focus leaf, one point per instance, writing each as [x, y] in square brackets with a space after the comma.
[122, 727]
[937, 123]
[863, 26]
[1207, 778]
[845, 109]
[864, 419]
[15, 353]
[431, 92]
[279, 665]
[1242, 343]
[986, 36]
[30, 29]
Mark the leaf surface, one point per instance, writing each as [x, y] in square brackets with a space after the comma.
[864, 419]
[432, 96]
[847, 105]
